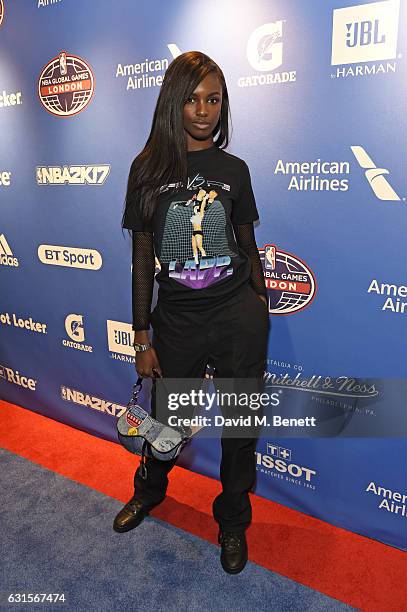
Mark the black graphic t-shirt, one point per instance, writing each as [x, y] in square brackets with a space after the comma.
[201, 264]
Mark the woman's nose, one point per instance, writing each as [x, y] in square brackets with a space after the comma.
[201, 109]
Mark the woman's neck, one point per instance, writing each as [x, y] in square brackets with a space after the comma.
[198, 145]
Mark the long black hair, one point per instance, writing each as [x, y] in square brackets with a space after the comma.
[163, 159]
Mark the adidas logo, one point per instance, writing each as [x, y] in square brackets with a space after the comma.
[375, 176]
[6, 254]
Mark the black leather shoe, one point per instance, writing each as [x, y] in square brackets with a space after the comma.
[130, 516]
[233, 556]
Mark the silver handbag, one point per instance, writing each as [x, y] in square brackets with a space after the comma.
[142, 435]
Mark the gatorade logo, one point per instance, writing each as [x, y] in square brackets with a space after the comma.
[6, 254]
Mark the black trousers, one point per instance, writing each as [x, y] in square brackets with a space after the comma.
[233, 337]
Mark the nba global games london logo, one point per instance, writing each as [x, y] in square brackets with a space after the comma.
[290, 283]
[66, 85]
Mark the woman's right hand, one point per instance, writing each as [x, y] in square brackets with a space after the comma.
[147, 364]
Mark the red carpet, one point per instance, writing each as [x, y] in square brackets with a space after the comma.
[354, 569]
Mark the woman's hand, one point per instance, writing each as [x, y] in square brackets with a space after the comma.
[146, 361]
[147, 364]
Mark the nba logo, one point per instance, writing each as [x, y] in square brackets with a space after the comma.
[269, 256]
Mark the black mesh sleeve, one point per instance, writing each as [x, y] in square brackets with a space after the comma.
[247, 242]
[142, 279]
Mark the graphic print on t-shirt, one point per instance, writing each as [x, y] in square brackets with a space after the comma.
[194, 243]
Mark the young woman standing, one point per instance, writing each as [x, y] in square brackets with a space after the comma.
[191, 204]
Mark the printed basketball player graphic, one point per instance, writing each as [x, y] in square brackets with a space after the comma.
[66, 85]
[195, 244]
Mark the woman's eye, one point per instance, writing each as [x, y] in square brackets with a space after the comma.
[212, 100]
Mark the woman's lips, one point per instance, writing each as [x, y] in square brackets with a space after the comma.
[202, 126]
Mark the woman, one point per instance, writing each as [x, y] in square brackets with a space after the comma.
[192, 203]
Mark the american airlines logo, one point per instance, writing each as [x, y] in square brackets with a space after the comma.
[375, 176]
[6, 254]
[148, 73]
[72, 175]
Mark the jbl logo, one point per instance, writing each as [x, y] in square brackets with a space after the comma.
[120, 337]
[364, 33]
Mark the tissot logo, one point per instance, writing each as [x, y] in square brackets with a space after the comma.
[375, 176]
[72, 175]
[278, 462]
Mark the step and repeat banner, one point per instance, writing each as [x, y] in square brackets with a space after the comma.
[317, 94]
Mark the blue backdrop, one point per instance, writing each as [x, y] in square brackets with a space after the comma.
[317, 93]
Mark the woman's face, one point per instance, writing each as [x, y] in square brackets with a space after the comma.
[202, 111]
